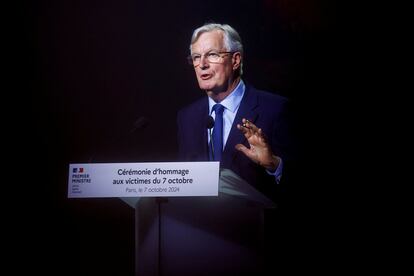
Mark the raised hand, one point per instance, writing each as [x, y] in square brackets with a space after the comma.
[259, 150]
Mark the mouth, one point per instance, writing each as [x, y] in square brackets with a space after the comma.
[205, 76]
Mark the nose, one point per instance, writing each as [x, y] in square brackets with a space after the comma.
[203, 62]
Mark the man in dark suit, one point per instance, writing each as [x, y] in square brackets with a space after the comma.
[254, 122]
[252, 142]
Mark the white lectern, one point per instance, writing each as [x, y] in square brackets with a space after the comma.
[220, 235]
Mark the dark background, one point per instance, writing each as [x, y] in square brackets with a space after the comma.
[91, 68]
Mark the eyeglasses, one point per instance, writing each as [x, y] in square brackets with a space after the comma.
[213, 57]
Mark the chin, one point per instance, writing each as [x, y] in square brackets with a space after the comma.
[206, 86]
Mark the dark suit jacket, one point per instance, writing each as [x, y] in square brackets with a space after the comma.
[265, 110]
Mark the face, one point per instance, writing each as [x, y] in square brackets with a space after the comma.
[215, 78]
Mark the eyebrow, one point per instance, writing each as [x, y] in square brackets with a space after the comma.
[211, 50]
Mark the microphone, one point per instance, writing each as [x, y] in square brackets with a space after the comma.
[140, 123]
[209, 122]
[210, 125]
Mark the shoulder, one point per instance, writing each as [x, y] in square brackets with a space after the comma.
[266, 99]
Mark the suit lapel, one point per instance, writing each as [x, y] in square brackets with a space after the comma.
[246, 110]
[201, 128]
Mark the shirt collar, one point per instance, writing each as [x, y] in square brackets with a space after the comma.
[232, 101]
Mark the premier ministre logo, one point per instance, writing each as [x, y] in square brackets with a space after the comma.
[77, 170]
[79, 175]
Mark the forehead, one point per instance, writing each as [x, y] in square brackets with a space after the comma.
[209, 41]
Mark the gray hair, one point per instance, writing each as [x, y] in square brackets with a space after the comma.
[232, 40]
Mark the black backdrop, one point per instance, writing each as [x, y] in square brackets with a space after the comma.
[93, 67]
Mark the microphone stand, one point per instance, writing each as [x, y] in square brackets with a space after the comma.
[159, 201]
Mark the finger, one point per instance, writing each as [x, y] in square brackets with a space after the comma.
[243, 149]
[246, 132]
[242, 128]
[247, 125]
[261, 134]
[244, 124]
[251, 126]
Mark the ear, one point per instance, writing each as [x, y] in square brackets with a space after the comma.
[236, 60]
